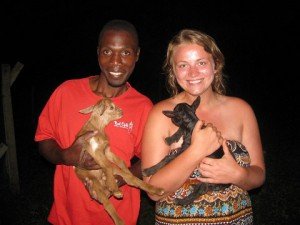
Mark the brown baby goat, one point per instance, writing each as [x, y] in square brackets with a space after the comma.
[103, 183]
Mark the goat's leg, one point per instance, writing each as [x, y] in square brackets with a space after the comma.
[153, 169]
[168, 158]
[108, 206]
[112, 212]
[122, 170]
[96, 147]
[106, 166]
[136, 182]
[98, 191]
[198, 189]
[111, 181]
[90, 175]
[174, 137]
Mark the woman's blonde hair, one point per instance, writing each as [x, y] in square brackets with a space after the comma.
[190, 36]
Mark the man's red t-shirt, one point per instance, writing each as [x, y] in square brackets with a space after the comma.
[60, 120]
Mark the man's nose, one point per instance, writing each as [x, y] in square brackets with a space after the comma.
[116, 59]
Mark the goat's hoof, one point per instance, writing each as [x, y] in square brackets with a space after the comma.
[157, 191]
[161, 192]
[118, 194]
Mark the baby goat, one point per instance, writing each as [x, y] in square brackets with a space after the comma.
[184, 116]
[103, 183]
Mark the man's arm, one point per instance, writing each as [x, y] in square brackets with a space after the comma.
[72, 156]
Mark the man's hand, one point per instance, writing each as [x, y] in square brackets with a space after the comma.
[75, 156]
[89, 185]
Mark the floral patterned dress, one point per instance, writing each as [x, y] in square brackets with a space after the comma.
[230, 205]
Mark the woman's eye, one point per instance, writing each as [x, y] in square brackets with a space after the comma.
[202, 63]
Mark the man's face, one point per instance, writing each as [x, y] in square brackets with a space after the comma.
[117, 54]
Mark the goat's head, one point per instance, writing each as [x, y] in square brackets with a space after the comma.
[184, 114]
[104, 109]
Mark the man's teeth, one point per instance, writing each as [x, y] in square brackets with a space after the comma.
[116, 74]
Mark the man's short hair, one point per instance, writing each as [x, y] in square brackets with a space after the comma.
[119, 25]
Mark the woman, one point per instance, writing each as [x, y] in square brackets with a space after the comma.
[194, 67]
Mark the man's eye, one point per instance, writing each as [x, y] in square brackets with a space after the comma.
[106, 52]
[125, 53]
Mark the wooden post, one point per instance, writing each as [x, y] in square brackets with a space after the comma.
[3, 149]
[8, 77]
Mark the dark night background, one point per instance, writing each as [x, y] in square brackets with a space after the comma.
[56, 41]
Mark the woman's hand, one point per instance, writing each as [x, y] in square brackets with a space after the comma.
[219, 171]
[206, 138]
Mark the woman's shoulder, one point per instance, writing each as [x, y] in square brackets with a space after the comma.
[232, 101]
[156, 112]
[237, 105]
[166, 104]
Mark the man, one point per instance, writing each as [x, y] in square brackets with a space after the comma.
[118, 51]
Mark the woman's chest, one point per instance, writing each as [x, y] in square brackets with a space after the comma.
[228, 123]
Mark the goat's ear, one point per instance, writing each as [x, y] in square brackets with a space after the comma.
[87, 110]
[168, 113]
[196, 103]
[102, 108]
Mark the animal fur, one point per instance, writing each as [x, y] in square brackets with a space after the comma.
[185, 118]
[103, 180]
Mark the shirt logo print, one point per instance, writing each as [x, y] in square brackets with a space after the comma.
[124, 125]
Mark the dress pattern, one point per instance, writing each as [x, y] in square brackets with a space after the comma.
[231, 205]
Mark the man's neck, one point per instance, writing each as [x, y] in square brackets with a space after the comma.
[102, 88]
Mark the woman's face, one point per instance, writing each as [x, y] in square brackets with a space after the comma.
[194, 68]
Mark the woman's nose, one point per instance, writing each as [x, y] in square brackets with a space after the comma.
[193, 71]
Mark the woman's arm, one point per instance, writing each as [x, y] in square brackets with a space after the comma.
[253, 176]
[174, 174]
[226, 169]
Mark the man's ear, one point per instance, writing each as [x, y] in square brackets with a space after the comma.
[138, 54]
[97, 50]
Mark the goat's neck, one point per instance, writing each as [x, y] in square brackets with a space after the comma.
[99, 122]
[191, 124]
